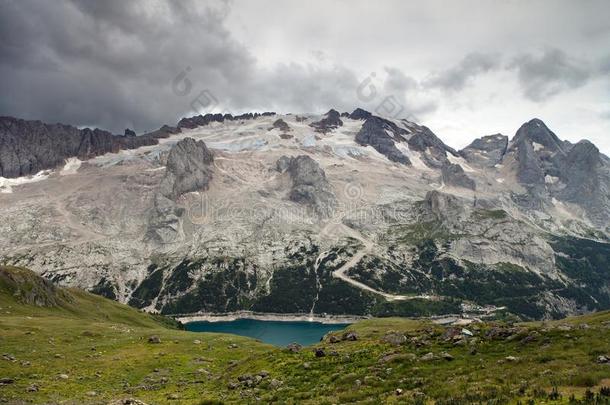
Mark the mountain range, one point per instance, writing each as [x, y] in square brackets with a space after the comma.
[340, 213]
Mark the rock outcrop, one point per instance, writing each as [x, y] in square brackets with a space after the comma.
[331, 120]
[487, 151]
[189, 168]
[453, 175]
[309, 184]
[382, 135]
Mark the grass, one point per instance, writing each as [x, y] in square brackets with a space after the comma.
[103, 348]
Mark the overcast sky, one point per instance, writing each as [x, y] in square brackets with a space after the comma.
[463, 68]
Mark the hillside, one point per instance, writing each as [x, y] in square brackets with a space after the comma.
[69, 346]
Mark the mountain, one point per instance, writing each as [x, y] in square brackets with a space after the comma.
[68, 346]
[340, 213]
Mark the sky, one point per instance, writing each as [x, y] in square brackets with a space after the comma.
[464, 68]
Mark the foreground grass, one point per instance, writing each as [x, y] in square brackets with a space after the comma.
[91, 350]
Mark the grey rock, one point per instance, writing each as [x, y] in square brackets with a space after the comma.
[394, 338]
[294, 347]
[154, 339]
[374, 132]
[428, 357]
[433, 149]
[282, 164]
[331, 120]
[442, 206]
[27, 147]
[359, 114]
[188, 168]
[453, 175]
[309, 185]
[203, 120]
[350, 336]
[281, 125]
[446, 356]
[486, 151]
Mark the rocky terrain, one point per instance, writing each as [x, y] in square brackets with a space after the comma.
[344, 213]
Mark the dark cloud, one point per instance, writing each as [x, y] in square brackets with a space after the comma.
[544, 75]
[457, 77]
[115, 64]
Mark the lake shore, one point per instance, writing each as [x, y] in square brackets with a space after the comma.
[232, 316]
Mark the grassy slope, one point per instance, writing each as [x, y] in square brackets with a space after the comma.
[102, 346]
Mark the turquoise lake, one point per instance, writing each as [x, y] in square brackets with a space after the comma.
[279, 333]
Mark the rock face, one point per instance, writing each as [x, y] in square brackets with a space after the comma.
[550, 168]
[281, 125]
[434, 151]
[331, 120]
[376, 132]
[586, 175]
[359, 114]
[309, 183]
[27, 147]
[487, 151]
[189, 168]
[453, 174]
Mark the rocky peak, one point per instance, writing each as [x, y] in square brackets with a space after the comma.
[331, 120]
[359, 114]
[536, 133]
[434, 151]
[486, 151]
[382, 135]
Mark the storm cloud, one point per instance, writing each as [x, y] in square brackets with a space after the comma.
[452, 66]
[549, 73]
[456, 77]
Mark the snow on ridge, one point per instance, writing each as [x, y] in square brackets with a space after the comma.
[6, 185]
[460, 161]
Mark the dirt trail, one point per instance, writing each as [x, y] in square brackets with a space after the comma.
[341, 272]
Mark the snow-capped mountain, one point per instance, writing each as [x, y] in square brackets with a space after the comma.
[344, 213]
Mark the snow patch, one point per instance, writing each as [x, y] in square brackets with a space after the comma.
[414, 157]
[71, 167]
[550, 179]
[460, 161]
[537, 146]
[6, 185]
